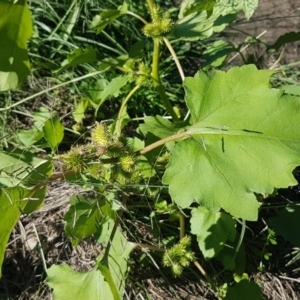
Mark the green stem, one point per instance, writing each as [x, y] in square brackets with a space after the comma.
[150, 5]
[114, 230]
[182, 225]
[173, 53]
[203, 272]
[163, 141]
[137, 16]
[155, 62]
[119, 118]
[157, 81]
[62, 175]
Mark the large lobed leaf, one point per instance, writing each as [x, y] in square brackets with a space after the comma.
[68, 284]
[200, 19]
[15, 30]
[244, 139]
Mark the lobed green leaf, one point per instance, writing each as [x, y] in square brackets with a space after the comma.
[204, 21]
[242, 141]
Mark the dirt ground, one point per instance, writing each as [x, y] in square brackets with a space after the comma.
[23, 271]
[272, 19]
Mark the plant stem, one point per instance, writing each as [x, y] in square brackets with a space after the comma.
[157, 81]
[202, 271]
[119, 118]
[155, 62]
[61, 175]
[150, 5]
[114, 230]
[177, 62]
[163, 141]
[137, 16]
[182, 225]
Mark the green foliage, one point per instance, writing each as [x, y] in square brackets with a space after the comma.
[286, 38]
[107, 16]
[53, 132]
[77, 285]
[201, 20]
[191, 6]
[21, 168]
[15, 30]
[113, 265]
[286, 224]
[101, 90]
[247, 290]
[85, 216]
[79, 56]
[216, 54]
[105, 282]
[45, 126]
[11, 205]
[224, 136]
[236, 144]
[212, 229]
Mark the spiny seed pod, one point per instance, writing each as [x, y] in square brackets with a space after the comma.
[160, 25]
[127, 163]
[100, 135]
[144, 69]
[176, 269]
[95, 170]
[76, 159]
[100, 150]
[184, 261]
[117, 175]
[166, 24]
[177, 250]
[143, 74]
[156, 13]
[115, 149]
[185, 241]
[152, 30]
[166, 260]
[190, 256]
